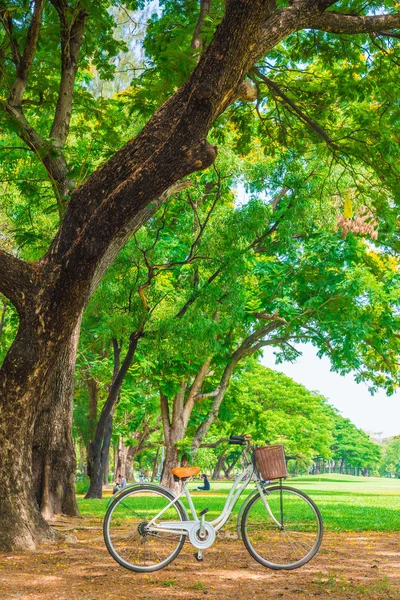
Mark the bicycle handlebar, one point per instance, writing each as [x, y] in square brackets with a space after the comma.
[237, 439]
[240, 440]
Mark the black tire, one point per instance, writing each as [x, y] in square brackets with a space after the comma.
[280, 547]
[124, 529]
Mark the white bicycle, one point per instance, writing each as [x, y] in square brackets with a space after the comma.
[146, 525]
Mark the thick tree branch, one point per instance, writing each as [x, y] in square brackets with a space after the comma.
[204, 10]
[173, 142]
[246, 348]
[391, 34]
[208, 395]
[350, 24]
[25, 61]
[165, 416]
[15, 279]
[6, 20]
[178, 403]
[194, 390]
[71, 33]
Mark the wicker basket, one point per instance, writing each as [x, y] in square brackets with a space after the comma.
[271, 461]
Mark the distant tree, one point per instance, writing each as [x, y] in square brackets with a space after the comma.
[352, 447]
[391, 457]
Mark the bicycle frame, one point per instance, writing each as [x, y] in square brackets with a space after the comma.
[191, 527]
[130, 536]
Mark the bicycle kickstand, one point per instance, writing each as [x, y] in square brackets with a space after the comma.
[199, 555]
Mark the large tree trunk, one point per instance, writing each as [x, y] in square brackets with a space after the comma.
[228, 468]
[93, 403]
[106, 469]
[122, 461]
[174, 428]
[99, 448]
[171, 461]
[219, 466]
[129, 470]
[21, 523]
[3, 311]
[53, 452]
[98, 455]
[126, 456]
[155, 466]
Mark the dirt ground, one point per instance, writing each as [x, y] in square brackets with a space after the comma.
[348, 566]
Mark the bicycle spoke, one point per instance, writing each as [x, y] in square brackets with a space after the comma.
[297, 552]
[129, 508]
[133, 550]
[300, 541]
[293, 544]
[125, 530]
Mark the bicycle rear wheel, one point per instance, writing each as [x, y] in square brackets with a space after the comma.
[287, 535]
[125, 531]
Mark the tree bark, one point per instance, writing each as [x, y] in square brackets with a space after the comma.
[228, 468]
[174, 430]
[219, 466]
[106, 469]
[93, 402]
[53, 452]
[155, 465]
[171, 461]
[21, 523]
[100, 446]
[129, 471]
[122, 462]
[3, 315]
[98, 454]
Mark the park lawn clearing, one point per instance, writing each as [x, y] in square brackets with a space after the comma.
[347, 503]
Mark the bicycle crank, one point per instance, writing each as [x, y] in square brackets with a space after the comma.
[202, 537]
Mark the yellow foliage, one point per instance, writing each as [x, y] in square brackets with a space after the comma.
[348, 207]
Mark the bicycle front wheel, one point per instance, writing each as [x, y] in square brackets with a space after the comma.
[283, 529]
[126, 533]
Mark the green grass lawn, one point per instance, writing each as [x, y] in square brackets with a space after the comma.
[346, 503]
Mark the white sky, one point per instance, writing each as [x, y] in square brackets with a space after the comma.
[378, 414]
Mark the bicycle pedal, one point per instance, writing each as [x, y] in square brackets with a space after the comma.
[197, 557]
[203, 512]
